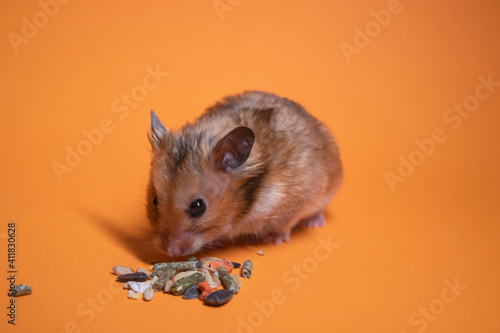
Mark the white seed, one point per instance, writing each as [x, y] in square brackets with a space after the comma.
[138, 287]
[121, 270]
[126, 286]
[168, 284]
[133, 295]
[143, 270]
[260, 253]
[237, 279]
[153, 280]
[216, 279]
[208, 277]
[149, 294]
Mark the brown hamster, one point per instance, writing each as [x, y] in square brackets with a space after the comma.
[253, 164]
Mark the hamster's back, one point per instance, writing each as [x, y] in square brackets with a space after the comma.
[298, 151]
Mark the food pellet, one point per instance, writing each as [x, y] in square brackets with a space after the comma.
[222, 263]
[193, 279]
[165, 276]
[227, 280]
[205, 289]
[260, 253]
[219, 297]
[246, 269]
[22, 289]
[181, 285]
[178, 266]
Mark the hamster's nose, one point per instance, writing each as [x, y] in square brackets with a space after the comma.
[180, 245]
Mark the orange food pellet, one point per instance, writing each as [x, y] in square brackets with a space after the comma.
[205, 289]
[222, 263]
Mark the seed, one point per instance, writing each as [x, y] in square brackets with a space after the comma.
[192, 292]
[237, 279]
[133, 295]
[143, 270]
[166, 275]
[183, 274]
[139, 277]
[22, 289]
[168, 285]
[149, 294]
[227, 280]
[121, 270]
[216, 279]
[246, 269]
[210, 278]
[219, 297]
[153, 280]
[236, 264]
[181, 285]
[138, 287]
[260, 253]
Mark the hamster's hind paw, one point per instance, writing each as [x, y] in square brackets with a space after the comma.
[314, 221]
[277, 238]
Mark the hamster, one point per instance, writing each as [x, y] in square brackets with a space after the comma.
[253, 164]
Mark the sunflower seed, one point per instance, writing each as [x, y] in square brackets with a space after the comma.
[192, 292]
[138, 277]
[219, 297]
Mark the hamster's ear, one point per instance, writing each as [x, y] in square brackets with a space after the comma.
[159, 133]
[233, 149]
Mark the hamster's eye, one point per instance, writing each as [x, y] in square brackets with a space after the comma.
[155, 201]
[197, 208]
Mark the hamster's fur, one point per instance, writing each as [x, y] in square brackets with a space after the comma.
[252, 164]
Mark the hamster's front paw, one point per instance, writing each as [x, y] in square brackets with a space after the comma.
[314, 221]
[282, 236]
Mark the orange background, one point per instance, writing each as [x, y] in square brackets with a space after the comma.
[397, 250]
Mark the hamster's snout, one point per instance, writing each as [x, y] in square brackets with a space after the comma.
[182, 244]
